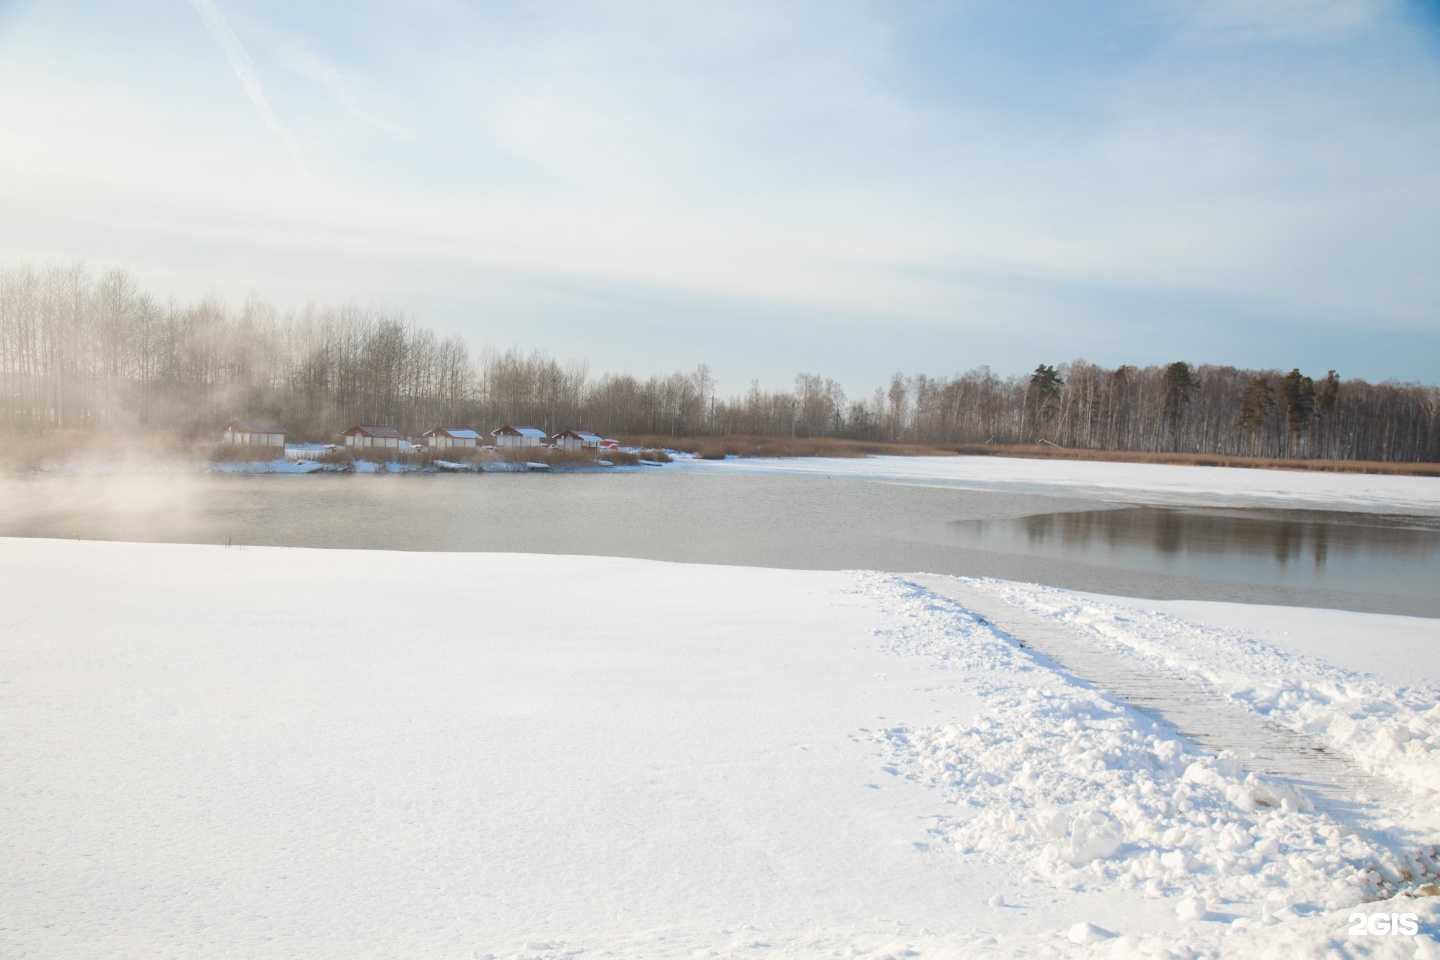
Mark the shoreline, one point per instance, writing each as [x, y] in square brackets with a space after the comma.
[747, 448]
[19, 455]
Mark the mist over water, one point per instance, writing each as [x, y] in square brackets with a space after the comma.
[1301, 558]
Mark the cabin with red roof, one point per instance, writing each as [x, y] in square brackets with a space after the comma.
[577, 440]
[367, 436]
[512, 436]
[442, 438]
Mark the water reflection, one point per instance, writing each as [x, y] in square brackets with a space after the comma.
[1299, 547]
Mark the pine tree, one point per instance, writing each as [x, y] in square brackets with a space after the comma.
[1043, 394]
[1328, 394]
[1180, 383]
[1255, 404]
[1297, 394]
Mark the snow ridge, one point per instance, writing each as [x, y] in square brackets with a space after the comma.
[1389, 730]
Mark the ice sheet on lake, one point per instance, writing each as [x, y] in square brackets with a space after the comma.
[1130, 482]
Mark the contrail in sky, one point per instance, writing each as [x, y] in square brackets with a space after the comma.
[245, 71]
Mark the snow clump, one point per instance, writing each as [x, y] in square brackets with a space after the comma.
[1088, 933]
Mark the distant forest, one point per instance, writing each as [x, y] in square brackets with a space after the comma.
[84, 352]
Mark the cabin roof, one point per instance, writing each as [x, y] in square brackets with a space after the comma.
[382, 432]
[454, 433]
[585, 435]
[518, 431]
[254, 426]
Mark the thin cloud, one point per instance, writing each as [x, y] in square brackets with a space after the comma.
[343, 88]
[245, 72]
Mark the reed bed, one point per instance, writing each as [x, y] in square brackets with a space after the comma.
[1045, 452]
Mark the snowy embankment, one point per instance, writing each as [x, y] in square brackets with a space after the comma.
[1132, 482]
[1390, 729]
[280, 753]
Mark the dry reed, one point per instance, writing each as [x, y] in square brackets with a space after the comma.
[560, 457]
[1044, 452]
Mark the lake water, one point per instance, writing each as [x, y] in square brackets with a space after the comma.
[1305, 558]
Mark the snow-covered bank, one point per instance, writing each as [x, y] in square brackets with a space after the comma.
[1388, 728]
[1132, 482]
[279, 753]
[1053, 771]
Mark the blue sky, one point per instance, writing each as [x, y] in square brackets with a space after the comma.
[841, 187]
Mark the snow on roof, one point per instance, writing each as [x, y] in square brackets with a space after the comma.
[454, 433]
[584, 435]
[255, 426]
[518, 431]
[369, 431]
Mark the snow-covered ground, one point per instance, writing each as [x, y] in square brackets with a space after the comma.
[1410, 653]
[1132, 482]
[298, 753]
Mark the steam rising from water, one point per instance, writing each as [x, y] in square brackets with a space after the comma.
[158, 505]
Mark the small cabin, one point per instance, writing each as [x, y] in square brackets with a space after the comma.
[442, 438]
[518, 436]
[366, 436]
[255, 433]
[577, 440]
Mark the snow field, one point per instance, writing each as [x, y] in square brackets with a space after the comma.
[301, 753]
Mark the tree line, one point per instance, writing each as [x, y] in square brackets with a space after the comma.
[79, 351]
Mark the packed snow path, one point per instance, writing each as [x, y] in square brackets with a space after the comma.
[1332, 781]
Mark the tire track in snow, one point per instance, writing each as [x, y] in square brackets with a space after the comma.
[1332, 781]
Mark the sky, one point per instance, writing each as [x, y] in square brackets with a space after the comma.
[840, 187]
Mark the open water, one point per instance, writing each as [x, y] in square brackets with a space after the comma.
[1304, 558]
